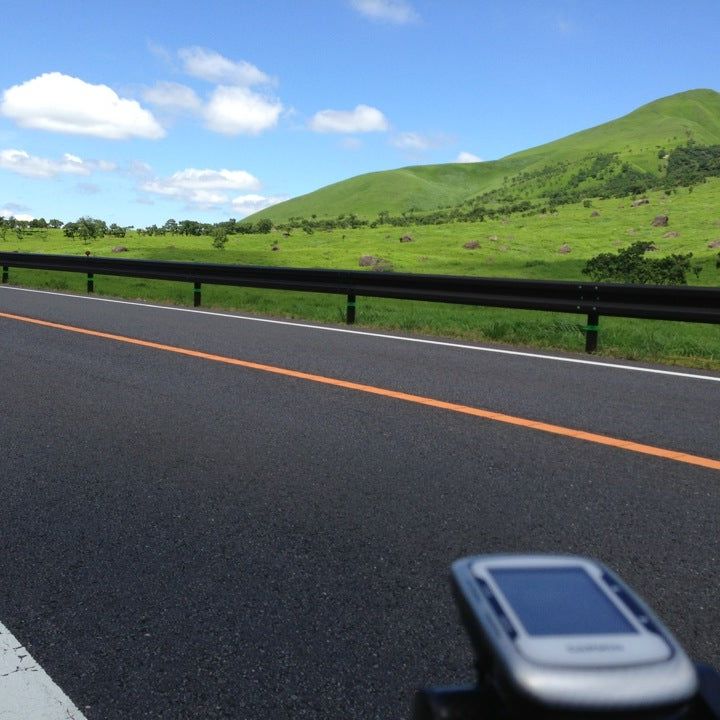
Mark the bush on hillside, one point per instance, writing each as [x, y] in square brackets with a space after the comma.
[629, 181]
[691, 164]
[630, 265]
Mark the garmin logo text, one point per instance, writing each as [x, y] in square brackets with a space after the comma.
[595, 647]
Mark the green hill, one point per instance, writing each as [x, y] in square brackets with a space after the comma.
[618, 154]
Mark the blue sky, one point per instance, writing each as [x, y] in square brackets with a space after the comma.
[136, 112]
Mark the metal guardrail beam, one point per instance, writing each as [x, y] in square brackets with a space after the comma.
[690, 304]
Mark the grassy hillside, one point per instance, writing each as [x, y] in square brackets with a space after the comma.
[635, 139]
[518, 246]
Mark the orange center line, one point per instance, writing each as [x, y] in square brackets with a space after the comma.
[406, 397]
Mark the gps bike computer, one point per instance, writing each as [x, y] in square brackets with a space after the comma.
[564, 633]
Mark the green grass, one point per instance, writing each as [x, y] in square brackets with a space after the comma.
[517, 247]
[636, 137]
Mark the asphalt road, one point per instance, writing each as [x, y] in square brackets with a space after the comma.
[183, 538]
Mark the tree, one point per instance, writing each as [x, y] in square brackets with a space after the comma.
[86, 229]
[263, 226]
[189, 227]
[170, 227]
[219, 236]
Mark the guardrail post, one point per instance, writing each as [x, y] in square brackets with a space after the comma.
[90, 282]
[591, 331]
[197, 294]
[350, 315]
[5, 271]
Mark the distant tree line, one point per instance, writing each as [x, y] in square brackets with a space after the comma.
[87, 228]
[194, 228]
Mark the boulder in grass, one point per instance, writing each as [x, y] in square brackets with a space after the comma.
[660, 221]
[594, 213]
[564, 249]
[406, 238]
[119, 249]
[714, 244]
[671, 234]
[471, 245]
[641, 201]
[368, 261]
[383, 266]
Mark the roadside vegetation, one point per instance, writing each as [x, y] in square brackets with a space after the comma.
[634, 200]
[563, 244]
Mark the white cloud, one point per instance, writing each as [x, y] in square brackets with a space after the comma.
[412, 141]
[194, 179]
[202, 188]
[172, 96]
[467, 157]
[399, 12]
[65, 104]
[238, 110]
[22, 163]
[139, 169]
[8, 212]
[249, 204]
[360, 120]
[215, 68]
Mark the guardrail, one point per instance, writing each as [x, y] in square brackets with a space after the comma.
[656, 302]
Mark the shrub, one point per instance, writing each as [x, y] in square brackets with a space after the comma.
[630, 265]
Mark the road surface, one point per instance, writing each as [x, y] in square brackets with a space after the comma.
[189, 531]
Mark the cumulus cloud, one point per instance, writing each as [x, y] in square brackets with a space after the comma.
[362, 119]
[467, 157]
[22, 163]
[65, 104]
[215, 68]
[240, 111]
[172, 96]
[8, 212]
[399, 12]
[193, 179]
[249, 204]
[202, 188]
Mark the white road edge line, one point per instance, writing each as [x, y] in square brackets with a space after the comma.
[26, 690]
[477, 348]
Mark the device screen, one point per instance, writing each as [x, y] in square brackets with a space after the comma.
[559, 601]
